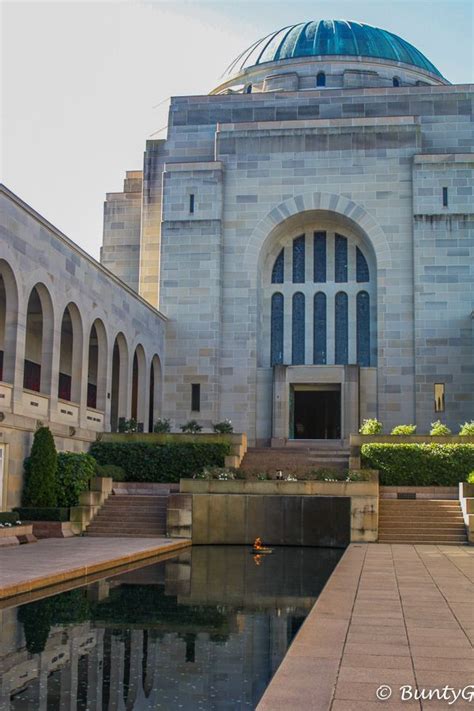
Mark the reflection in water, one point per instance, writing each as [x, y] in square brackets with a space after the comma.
[205, 630]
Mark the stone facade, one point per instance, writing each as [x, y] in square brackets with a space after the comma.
[78, 346]
[266, 166]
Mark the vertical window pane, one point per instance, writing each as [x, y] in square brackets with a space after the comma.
[276, 356]
[341, 341]
[278, 272]
[298, 260]
[340, 259]
[319, 345]
[297, 351]
[196, 397]
[362, 268]
[363, 329]
[439, 397]
[319, 257]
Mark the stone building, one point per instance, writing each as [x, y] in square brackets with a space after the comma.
[78, 348]
[307, 228]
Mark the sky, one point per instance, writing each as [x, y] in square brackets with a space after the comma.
[84, 84]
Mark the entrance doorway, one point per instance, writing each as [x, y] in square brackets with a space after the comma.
[317, 413]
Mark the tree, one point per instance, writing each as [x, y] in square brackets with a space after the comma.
[40, 471]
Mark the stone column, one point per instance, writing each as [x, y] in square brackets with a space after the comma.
[350, 401]
[280, 406]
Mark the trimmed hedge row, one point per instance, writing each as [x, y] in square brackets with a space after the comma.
[51, 513]
[167, 463]
[423, 464]
[74, 472]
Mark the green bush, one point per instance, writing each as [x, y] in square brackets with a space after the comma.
[467, 429]
[404, 430]
[111, 470]
[8, 517]
[142, 461]
[470, 478]
[127, 426]
[40, 471]
[191, 426]
[75, 470]
[419, 464]
[162, 425]
[42, 514]
[371, 427]
[224, 427]
[439, 430]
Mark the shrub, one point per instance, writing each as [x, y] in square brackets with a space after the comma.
[467, 429]
[338, 475]
[439, 430]
[425, 464]
[42, 514]
[371, 427]
[220, 473]
[75, 470]
[162, 425]
[224, 427]
[404, 430]
[40, 471]
[191, 426]
[470, 478]
[8, 517]
[112, 470]
[143, 461]
[127, 426]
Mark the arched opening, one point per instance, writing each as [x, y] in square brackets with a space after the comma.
[321, 79]
[118, 395]
[396, 81]
[139, 386]
[70, 355]
[8, 322]
[155, 392]
[248, 89]
[97, 367]
[38, 341]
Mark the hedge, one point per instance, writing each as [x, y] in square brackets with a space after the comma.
[167, 463]
[423, 464]
[74, 472]
[42, 514]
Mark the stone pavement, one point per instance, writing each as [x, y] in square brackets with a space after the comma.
[393, 615]
[55, 560]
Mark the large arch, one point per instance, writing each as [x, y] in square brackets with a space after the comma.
[39, 341]
[119, 384]
[70, 355]
[156, 390]
[8, 322]
[97, 366]
[139, 386]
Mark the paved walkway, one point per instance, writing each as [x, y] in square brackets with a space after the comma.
[390, 615]
[54, 560]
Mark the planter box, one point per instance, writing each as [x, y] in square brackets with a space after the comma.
[53, 529]
[17, 534]
[287, 488]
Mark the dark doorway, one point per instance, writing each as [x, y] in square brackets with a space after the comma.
[317, 414]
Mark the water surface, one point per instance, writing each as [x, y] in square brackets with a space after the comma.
[203, 631]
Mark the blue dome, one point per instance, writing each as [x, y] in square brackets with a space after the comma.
[329, 38]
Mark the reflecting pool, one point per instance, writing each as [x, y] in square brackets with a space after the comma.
[205, 630]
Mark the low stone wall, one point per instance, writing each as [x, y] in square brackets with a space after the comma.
[90, 503]
[466, 497]
[236, 511]
[14, 535]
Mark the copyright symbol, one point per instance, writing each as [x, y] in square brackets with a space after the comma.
[383, 693]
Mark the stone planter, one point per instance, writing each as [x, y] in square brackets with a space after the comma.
[17, 534]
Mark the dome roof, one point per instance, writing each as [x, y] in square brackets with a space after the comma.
[330, 38]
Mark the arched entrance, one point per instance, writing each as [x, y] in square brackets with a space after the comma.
[38, 341]
[118, 393]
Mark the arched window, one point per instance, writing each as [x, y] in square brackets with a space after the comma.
[363, 329]
[342, 329]
[299, 260]
[321, 79]
[278, 271]
[297, 327]
[248, 89]
[320, 329]
[396, 81]
[340, 259]
[362, 268]
[276, 356]
[319, 257]
[37, 373]
[118, 399]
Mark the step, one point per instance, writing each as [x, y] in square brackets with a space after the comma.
[415, 542]
[424, 536]
[126, 529]
[126, 535]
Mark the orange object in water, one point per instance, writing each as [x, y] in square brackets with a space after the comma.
[258, 546]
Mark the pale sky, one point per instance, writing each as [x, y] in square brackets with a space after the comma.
[81, 81]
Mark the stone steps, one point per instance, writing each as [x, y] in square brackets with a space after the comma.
[299, 460]
[433, 521]
[126, 515]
